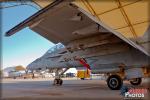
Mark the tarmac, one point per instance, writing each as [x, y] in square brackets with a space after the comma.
[72, 89]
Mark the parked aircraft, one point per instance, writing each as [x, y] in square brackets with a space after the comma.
[91, 41]
[13, 72]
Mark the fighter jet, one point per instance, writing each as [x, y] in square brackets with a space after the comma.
[104, 40]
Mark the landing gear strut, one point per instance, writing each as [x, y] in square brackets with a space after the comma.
[136, 81]
[114, 82]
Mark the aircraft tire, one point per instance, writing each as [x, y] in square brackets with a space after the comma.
[58, 81]
[114, 82]
[137, 81]
[82, 78]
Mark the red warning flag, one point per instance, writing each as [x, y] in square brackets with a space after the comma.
[83, 62]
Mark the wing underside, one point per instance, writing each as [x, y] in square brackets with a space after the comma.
[64, 21]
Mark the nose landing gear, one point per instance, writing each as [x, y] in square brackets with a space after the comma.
[58, 73]
[58, 81]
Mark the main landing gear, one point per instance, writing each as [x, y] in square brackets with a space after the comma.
[136, 81]
[114, 82]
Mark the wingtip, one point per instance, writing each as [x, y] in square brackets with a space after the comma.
[6, 35]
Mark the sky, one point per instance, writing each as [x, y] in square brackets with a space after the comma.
[24, 46]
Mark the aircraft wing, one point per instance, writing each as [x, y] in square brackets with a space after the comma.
[67, 20]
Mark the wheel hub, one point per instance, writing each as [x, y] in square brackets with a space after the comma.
[113, 82]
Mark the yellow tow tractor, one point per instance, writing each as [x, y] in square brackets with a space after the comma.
[82, 74]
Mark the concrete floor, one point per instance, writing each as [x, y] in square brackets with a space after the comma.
[72, 89]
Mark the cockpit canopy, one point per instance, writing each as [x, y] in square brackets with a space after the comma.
[55, 48]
